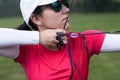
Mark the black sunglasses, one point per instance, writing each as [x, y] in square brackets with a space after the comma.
[57, 6]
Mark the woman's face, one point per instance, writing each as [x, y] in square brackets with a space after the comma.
[54, 20]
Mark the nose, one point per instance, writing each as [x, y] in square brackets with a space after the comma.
[65, 9]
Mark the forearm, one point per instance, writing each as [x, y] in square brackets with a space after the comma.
[111, 43]
[10, 37]
[10, 52]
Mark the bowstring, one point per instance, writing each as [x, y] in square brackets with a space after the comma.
[70, 8]
[107, 32]
[73, 66]
[69, 49]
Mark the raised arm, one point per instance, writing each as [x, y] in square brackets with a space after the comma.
[111, 43]
[11, 39]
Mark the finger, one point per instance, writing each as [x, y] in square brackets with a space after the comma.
[60, 33]
[54, 45]
[60, 30]
[64, 38]
[65, 42]
[55, 41]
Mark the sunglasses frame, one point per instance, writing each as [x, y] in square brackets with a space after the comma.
[57, 6]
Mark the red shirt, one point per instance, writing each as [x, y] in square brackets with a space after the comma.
[40, 63]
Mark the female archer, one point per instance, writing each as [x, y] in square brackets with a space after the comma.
[49, 52]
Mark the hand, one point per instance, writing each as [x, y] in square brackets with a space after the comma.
[48, 38]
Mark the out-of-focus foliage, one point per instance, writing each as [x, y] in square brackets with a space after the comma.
[11, 7]
[97, 5]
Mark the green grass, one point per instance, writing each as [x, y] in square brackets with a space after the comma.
[11, 22]
[102, 67]
[9, 70]
[103, 21]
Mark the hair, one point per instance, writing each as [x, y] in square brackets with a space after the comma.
[38, 11]
[24, 26]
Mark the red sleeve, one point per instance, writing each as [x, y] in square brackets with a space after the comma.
[94, 41]
[21, 54]
[24, 53]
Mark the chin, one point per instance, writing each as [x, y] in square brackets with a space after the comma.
[67, 26]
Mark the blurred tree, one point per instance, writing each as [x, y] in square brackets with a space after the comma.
[9, 8]
[97, 5]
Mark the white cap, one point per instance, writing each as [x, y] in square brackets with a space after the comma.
[28, 6]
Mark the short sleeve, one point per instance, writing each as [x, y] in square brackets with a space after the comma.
[94, 41]
[25, 51]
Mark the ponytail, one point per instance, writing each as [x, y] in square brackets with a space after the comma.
[23, 26]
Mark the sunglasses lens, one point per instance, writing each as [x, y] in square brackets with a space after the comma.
[57, 6]
[65, 3]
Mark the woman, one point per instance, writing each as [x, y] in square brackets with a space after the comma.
[45, 61]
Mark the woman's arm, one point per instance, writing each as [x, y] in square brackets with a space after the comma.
[10, 37]
[111, 43]
[10, 52]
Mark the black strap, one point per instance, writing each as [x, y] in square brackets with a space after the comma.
[70, 56]
[73, 66]
[86, 46]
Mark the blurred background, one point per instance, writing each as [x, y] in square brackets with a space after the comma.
[86, 14]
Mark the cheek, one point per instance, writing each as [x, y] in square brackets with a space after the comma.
[53, 20]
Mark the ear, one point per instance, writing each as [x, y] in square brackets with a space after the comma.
[36, 19]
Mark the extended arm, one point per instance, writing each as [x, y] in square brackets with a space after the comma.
[10, 39]
[111, 43]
